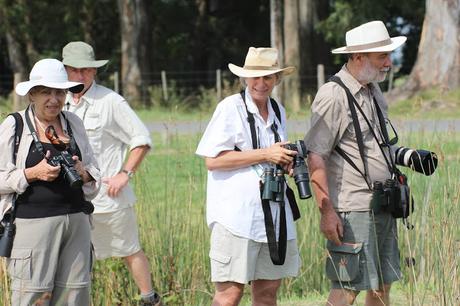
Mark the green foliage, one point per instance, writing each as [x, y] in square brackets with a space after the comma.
[400, 17]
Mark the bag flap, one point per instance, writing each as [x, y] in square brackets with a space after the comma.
[350, 248]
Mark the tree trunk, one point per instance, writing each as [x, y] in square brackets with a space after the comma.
[438, 58]
[134, 62]
[292, 53]
[277, 41]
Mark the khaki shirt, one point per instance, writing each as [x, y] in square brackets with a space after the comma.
[113, 130]
[332, 125]
[12, 177]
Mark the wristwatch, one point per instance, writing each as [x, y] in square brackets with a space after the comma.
[128, 173]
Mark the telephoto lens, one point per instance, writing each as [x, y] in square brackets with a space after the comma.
[421, 161]
[7, 238]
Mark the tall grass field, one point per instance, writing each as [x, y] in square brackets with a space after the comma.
[171, 189]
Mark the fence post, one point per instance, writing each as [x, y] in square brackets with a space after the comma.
[320, 75]
[164, 85]
[219, 84]
[116, 82]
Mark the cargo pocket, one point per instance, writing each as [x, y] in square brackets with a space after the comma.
[223, 259]
[20, 264]
[343, 262]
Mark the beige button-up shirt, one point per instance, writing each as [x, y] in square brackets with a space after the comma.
[113, 128]
[332, 125]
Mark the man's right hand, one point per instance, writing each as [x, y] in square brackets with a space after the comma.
[331, 226]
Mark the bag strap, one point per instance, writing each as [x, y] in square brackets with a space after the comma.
[19, 126]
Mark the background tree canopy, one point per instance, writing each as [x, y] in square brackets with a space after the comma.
[199, 35]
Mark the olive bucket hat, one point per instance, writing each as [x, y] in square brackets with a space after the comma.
[79, 54]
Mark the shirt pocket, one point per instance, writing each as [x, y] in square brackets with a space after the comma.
[93, 126]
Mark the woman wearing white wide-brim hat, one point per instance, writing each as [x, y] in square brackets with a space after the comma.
[245, 135]
[45, 189]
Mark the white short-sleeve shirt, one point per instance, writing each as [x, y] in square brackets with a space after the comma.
[233, 196]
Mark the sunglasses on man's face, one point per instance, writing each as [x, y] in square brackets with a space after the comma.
[52, 136]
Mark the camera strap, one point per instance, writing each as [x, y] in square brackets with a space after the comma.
[277, 249]
[359, 135]
[37, 142]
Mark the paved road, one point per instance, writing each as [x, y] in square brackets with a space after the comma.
[301, 126]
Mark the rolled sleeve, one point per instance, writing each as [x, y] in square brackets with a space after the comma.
[130, 128]
[327, 121]
[220, 134]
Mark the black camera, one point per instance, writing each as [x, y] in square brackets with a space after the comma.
[301, 176]
[7, 233]
[421, 161]
[68, 171]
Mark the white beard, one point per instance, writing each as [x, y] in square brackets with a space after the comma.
[369, 74]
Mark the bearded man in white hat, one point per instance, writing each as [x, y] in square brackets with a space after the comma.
[114, 131]
[245, 135]
[348, 154]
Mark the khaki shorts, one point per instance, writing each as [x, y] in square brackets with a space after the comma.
[115, 234]
[369, 256]
[51, 255]
[240, 260]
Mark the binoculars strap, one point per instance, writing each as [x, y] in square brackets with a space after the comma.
[277, 250]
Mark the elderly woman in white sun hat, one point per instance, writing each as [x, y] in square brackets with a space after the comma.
[247, 133]
[50, 260]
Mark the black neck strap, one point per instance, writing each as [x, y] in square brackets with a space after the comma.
[37, 142]
[359, 135]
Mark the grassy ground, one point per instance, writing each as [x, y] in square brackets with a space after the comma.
[171, 211]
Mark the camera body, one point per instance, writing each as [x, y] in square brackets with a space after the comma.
[301, 176]
[421, 161]
[68, 171]
[7, 233]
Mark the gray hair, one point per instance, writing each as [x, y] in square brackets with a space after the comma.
[279, 78]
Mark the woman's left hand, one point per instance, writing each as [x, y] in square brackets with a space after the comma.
[81, 170]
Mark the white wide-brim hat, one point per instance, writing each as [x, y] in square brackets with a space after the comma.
[79, 54]
[50, 73]
[260, 62]
[370, 37]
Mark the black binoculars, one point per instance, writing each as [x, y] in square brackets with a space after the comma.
[274, 179]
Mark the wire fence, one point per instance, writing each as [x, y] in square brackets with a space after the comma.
[162, 86]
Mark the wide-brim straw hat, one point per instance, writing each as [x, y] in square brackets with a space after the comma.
[370, 37]
[79, 54]
[48, 72]
[260, 62]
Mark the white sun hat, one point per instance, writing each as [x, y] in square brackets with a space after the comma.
[260, 62]
[370, 37]
[50, 73]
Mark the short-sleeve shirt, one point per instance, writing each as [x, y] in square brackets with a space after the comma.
[332, 125]
[112, 128]
[233, 196]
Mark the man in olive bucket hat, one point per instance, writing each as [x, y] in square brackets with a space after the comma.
[362, 244]
[112, 128]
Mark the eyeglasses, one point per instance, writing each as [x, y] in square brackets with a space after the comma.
[52, 136]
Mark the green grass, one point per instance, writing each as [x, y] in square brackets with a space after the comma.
[171, 187]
